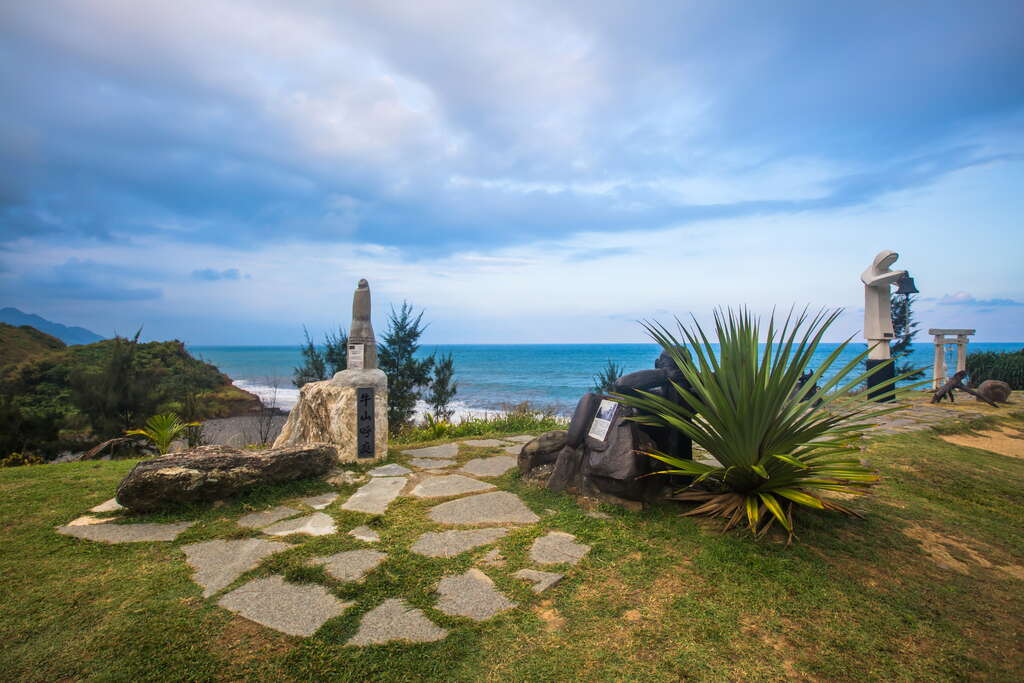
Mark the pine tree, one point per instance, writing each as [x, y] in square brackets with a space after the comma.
[336, 351]
[397, 358]
[904, 330]
[442, 388]
[314, 366]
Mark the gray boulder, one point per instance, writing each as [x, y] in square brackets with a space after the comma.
[541, 451]
[994, 390]
[214, 472]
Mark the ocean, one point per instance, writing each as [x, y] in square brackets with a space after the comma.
[493, 376]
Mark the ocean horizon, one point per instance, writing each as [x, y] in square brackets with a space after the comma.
[492, 377]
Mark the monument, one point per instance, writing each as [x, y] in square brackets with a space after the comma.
[349, 411]
[878, 316]
[942, 338]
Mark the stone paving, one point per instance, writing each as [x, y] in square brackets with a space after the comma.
[558, 547]
[351, 565]
[297, 610]
[394, 620]
[218, 563]
[452, 543]
[471, 595]
[448, 485]
[319, 502]
[498, 507]
[107, 506]
[126, 533]
[485, 443]
[365, 534]
[375, 496]
[316, 524]
[541, 580]
[258, 520]
[392, 470]
[431, 464]
[446, 450]
[489, 467]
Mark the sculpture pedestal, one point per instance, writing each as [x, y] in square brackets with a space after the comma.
[879, 377]
[349, 412]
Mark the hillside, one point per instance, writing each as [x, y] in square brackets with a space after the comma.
[68, 335]
[21, 343]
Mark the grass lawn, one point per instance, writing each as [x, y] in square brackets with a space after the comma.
[930, 586]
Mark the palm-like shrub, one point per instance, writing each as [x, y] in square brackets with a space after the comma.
[162, 430]
[776, 449]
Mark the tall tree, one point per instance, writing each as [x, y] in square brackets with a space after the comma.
[443, 388]
[313, 368]
[904, 330]
[397, 358]
[336, 351]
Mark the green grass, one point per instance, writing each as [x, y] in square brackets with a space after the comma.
[659, 598]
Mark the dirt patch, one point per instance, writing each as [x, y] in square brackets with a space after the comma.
[946, 551]
[750, 626]
[553, 621]
[1005, 441]
[242, 643]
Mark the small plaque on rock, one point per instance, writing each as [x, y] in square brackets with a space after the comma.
[364, 422]
[355, 356]
[602, 420]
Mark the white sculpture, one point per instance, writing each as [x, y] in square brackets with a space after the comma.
[877, 303]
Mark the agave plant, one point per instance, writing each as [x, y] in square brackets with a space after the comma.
[162, 430]
[747, 408]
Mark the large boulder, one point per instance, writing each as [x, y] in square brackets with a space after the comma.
[541, 450]
[210, 473]
[994, 390]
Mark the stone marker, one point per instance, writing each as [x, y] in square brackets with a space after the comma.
[484, 443]
[375, 496]
[541, 580]
[557, 547]
[316, 524]
[257, 520]
[319, 502]
[393, 620]
[471, 595]
[431, 463]
[497, 507]
[448, 485]
[520, 438]
[286, 607]
[391, 470]
[365, 533]
[126, 533]
[107, 506]
[445, 450]
[350, 565]
[218, 563]
[490, 467]
[85, 520]
[452, 543]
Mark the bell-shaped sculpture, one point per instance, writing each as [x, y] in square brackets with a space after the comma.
[906, 285]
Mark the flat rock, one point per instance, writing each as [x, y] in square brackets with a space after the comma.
[541, 580]
[344, 478]
[393, 620]
[316, 524]
[365, 533]
[597, 514]
[391, 470]
[86, 520]
[351, 565]
[452, 543]
[107, 506]
[490, 467]
[448, 485]
[218, 563]
[493, 558]
[557, 547]
[484, 443]
[297, 610]
[126, 533]
[319, 502]
[428, 464]
[513, 450]
[375, 496]
[497, 507]
[258, 520]
[471, 595]
[445, 450]
[520, 438]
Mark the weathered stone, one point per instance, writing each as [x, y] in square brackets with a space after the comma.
[471, 595]
[390, 470]
[445, 450]
[448, 485]
[514, 449]
[497, 507]
[493, 558]
[393, 620]
[351, 565]
[107, 506]
[542, 450]
[319, 502]
[557, 547]
[86, 520]
[213, 472]
[597, 514]
[519, 438]
[365, 533]
[126, 533]
[316, 524]
[994, 390]
[541, 580]
[345, 477]
[484, 443]
[297, 610]
[218, 563]
[375, 496]
[431, 464]
[490, 467]
[582, 417]
[452, 543]
[258, 520]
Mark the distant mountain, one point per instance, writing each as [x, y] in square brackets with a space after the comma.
[68, 335]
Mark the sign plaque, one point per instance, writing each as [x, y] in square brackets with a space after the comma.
[355, 356]
[603, 420]
[364, 423]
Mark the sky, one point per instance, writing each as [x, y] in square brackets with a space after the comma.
[224, 172]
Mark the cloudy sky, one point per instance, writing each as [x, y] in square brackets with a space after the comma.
[225, 171]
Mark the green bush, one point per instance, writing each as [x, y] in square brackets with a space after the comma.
[1007, 367]
[19, 459]
[516, 419]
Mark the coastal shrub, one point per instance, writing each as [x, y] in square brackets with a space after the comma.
[775, 448]
[163, 430]
[19, 459]
[515, 419]
[396, 356]
[605, 379]
[1007, 367]
[319, 365]
[443, 388]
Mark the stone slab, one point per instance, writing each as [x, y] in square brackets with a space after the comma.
[391, 470]
[497, 507]
[85, 520]
[428, 464]
[297, 610]
[557, 547]
[319, 502]
[393, 620]
[344, 478]
[541, 580]
[218, 563]
[448, 485]
[257, 520]
[316, 524]
[126, 533]
[513, 450]
[484, 443]
[471, 595]
[445, 450]
[351, 565]
[520, 438]
[375, 496]
[490, 467]
[493, 558]
[452, 543]
[365, 533]
[107, 506]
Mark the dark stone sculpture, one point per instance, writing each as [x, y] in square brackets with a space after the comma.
[994, 391]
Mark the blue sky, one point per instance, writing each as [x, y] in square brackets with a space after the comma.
[224, 172]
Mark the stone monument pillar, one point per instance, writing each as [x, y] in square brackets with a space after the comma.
[878, 316]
